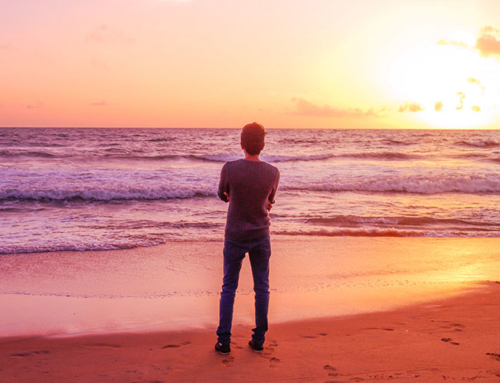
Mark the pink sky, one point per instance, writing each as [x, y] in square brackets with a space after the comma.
[286, 64]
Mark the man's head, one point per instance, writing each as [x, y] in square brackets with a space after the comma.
[252, 138]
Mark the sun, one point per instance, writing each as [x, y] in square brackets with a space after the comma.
[449, 84]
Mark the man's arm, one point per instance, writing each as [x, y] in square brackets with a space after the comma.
[223, 191]
[275, 189]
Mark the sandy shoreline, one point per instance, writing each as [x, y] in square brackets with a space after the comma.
[176, 286]
[453, 339]
[343, 309]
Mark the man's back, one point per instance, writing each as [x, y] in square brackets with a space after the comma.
[252, 186]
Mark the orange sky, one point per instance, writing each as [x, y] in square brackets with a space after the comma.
[284, 63]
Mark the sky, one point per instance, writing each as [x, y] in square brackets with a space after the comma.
[284, 63]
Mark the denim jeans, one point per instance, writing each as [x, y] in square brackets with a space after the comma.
[259, 252]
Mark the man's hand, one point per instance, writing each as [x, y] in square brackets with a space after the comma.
[269, 206]
[227, 196]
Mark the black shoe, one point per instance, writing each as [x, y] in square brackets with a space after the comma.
[222, 348]
[255, 347]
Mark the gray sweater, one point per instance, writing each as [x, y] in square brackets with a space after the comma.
[251, 186]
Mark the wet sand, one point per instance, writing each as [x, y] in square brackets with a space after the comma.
[457, 339]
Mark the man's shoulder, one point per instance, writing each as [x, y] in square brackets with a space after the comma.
[273, 168]
[242, 163]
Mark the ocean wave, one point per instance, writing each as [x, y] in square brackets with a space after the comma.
[20, 249]
[480, 144]
[117, 153]
[167, 139]
[393, 221]
[306, 158]
[397, 142]
[8, 153]
[419, 185]
[104, 195]
[380, 156]
[384, 232]
[226, 157]
[295, 141]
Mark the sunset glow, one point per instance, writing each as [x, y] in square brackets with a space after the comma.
[194, 63]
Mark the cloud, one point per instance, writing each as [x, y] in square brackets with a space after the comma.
[410, 107]
[106, 34]
[462, 96]
[473, 80]
[35, 106]
[438, 106]
[99, 103]
[454, 43]
[476, 108]
[306, 108]
[488, 42]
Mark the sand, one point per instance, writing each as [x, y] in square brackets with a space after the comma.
[457, 339]
[342, 310]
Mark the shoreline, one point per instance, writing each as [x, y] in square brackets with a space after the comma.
[176, 286]
[449, 339]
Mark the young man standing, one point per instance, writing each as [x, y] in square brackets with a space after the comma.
[249, 185]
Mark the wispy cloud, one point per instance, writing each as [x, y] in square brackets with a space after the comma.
[410, 107]
[488, 42]
[307, 108]
[105, 34]
[37, 105]
[438, 106]
[473, 80]
[476, 108]
[454, 43]
[462, 96]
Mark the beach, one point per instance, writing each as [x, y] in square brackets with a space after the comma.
[448, 340]
[342, 309]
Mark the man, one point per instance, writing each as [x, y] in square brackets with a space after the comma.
[249, 185]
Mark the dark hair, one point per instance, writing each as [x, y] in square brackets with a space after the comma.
[252, 138]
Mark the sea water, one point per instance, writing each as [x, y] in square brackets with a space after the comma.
[102, 188]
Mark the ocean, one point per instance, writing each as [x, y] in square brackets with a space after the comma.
[108, 188]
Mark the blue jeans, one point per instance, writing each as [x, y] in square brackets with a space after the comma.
[259, 252]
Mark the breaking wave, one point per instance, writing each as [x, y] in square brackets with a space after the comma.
[104, 195]
[480, 144]
[383, 232]
[432, 185]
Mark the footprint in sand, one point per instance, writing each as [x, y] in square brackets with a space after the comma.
[274, 362]
[102, 345]
[314, 336]
[236, 346]
[332, 371]
[228, 360]
[496, 356]
[449, 340]
[175, 345]
[377, 328]
[25, 354]
[268, 349]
